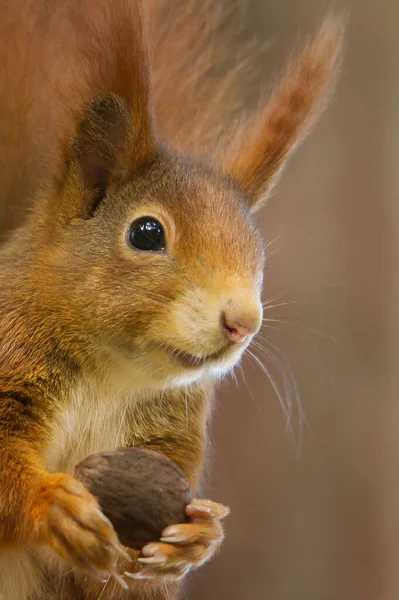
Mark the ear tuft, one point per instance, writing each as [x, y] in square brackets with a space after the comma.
[267, 138]
[106, 89]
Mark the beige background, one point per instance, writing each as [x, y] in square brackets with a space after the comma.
[324, 526]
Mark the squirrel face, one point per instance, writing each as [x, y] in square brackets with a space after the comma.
[166, 273]
[152, 262]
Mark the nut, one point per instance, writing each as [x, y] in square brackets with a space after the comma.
[139, 490]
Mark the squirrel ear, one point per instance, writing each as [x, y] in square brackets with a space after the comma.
[103, 151]
[263, 144]
[111, 69]
[100, 141]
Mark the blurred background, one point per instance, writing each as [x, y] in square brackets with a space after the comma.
[324, 525]
[315, 515]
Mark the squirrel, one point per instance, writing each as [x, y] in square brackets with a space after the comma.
[132, 285]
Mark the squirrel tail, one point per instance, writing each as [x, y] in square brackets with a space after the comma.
[201, 63]
[57, 56]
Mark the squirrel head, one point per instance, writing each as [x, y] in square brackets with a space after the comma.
[156, 257]
[153, 260]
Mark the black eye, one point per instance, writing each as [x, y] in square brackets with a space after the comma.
[147, 234]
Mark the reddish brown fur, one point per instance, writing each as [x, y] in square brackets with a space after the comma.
[295, 104]
[85, 320]
[196, 112]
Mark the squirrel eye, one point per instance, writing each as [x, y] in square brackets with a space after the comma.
[147, 233]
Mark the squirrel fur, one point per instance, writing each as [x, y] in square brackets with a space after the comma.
[103, 344]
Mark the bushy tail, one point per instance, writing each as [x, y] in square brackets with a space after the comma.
[25, 112]
[201, 63]
[57, 54]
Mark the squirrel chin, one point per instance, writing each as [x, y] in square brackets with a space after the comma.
[161, 366]
[215, 366]
[195, 361]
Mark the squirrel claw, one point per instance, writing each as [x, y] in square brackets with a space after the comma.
[119, 580]
[119, 549]
[184, 546]
[152, 560]
[146, 573]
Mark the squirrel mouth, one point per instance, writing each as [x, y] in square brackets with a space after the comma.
[190, 360]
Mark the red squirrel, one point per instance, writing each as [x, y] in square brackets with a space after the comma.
[132, 286]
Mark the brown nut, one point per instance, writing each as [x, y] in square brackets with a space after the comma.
[140, 491]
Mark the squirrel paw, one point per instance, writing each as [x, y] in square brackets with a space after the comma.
[72, 524]
[184, 546]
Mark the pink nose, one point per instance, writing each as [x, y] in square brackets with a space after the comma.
[237, 327]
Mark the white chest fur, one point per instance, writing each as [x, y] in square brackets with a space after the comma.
[19, 576]
[93, 420]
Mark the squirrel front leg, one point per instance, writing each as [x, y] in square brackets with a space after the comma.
[188, 545]
[174, 424]
[38, 507]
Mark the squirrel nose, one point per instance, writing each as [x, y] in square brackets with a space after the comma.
[238, 326]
